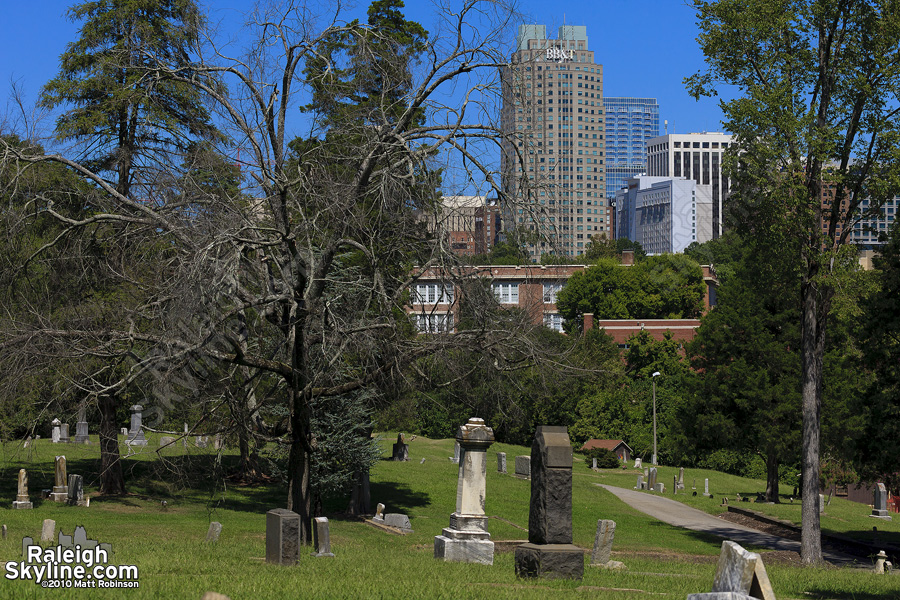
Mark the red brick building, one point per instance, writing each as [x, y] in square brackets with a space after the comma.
[533, 288]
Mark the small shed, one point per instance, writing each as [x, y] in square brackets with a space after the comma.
[619, 447]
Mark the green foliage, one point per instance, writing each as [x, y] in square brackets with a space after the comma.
[606, 459]
[659, 287]
[601, 247]
[121, 103]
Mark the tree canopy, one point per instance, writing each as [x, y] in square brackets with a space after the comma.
[668, 286]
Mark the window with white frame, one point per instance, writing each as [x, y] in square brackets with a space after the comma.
[434, 322]
[432, 293]
[554, 321]
[550, 291]
[506, 293]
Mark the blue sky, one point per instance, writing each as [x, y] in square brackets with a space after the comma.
[647, 47]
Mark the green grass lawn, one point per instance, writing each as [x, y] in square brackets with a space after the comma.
[167, 543]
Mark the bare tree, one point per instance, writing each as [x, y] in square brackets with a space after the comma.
[304, 274]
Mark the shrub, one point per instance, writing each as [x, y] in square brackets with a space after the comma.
[606, 459]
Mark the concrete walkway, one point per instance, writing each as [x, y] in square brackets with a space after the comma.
[676, 513]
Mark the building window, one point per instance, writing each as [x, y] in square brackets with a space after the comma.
[432, 293]
[554, 321]
[506, 293]
[550, 292]
[434, 322]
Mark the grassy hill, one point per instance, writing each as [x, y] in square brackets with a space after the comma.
[167, 542]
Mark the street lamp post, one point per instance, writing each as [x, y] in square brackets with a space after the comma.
[653, 377]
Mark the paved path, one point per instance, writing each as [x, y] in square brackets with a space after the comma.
[680, 515]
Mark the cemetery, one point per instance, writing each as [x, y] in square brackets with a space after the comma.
[553, 531]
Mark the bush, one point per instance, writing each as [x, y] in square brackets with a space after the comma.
[606, 459]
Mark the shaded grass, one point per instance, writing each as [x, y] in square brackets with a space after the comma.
[167, 544]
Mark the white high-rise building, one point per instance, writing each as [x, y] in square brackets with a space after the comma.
[696, 156]
[664, 214]
[553, 153]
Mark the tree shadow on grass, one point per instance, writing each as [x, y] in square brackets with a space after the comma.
[397, 497]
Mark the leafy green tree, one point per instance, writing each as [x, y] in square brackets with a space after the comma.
[659, 287]
[817, 131]
[881, 350]
[746, 395]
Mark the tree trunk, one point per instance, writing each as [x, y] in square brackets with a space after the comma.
[299, 499]
[112, 479]
[772, 479]
[811, 377]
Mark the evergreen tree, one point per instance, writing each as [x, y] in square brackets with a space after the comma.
[127, 115]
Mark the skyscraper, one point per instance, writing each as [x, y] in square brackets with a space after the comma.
[630, 124]
[696, 156]
[553, 152]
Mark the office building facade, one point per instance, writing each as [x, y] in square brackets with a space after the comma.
[696, 156]
[553, 163]
[630, 124]
[664, 214]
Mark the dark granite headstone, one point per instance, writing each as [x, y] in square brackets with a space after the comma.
[400, 449]
[549, 551]
[282, 536]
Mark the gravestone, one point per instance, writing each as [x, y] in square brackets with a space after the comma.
[3, 531]
[659, 488]
[136, 433]
[399, 521]
[603, 541]
[185, 438]
[54, 432]
[523, 467]
[646, 473]
[740, 573]
[218, 442]
[64, 433]
[60, 491]
[212, 534]
[166, 440]
[202, 441]
[821, 504]
[593, 463]
[22, 500]
[694, 484]
[640, 483]
[282, 536]
[124, 431]
[880, 560]
[81, 428]
[400, 450]
[214, 596]
[638, 463]
[549, 551]
[455, 457]
[467, 538]
[27, 442]
[501, 462]
[76, 491]
[879, 509]
[706, 488]
[679, 485]
[321, 538]
[651, 479]
[47, 530]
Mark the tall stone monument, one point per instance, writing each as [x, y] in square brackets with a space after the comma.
[22, 500]
[60, 491]
[879, 509]
[64, 433]
[54, 431]
[136, 434]
[81, 428]
[467, 539]
[549, 551]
